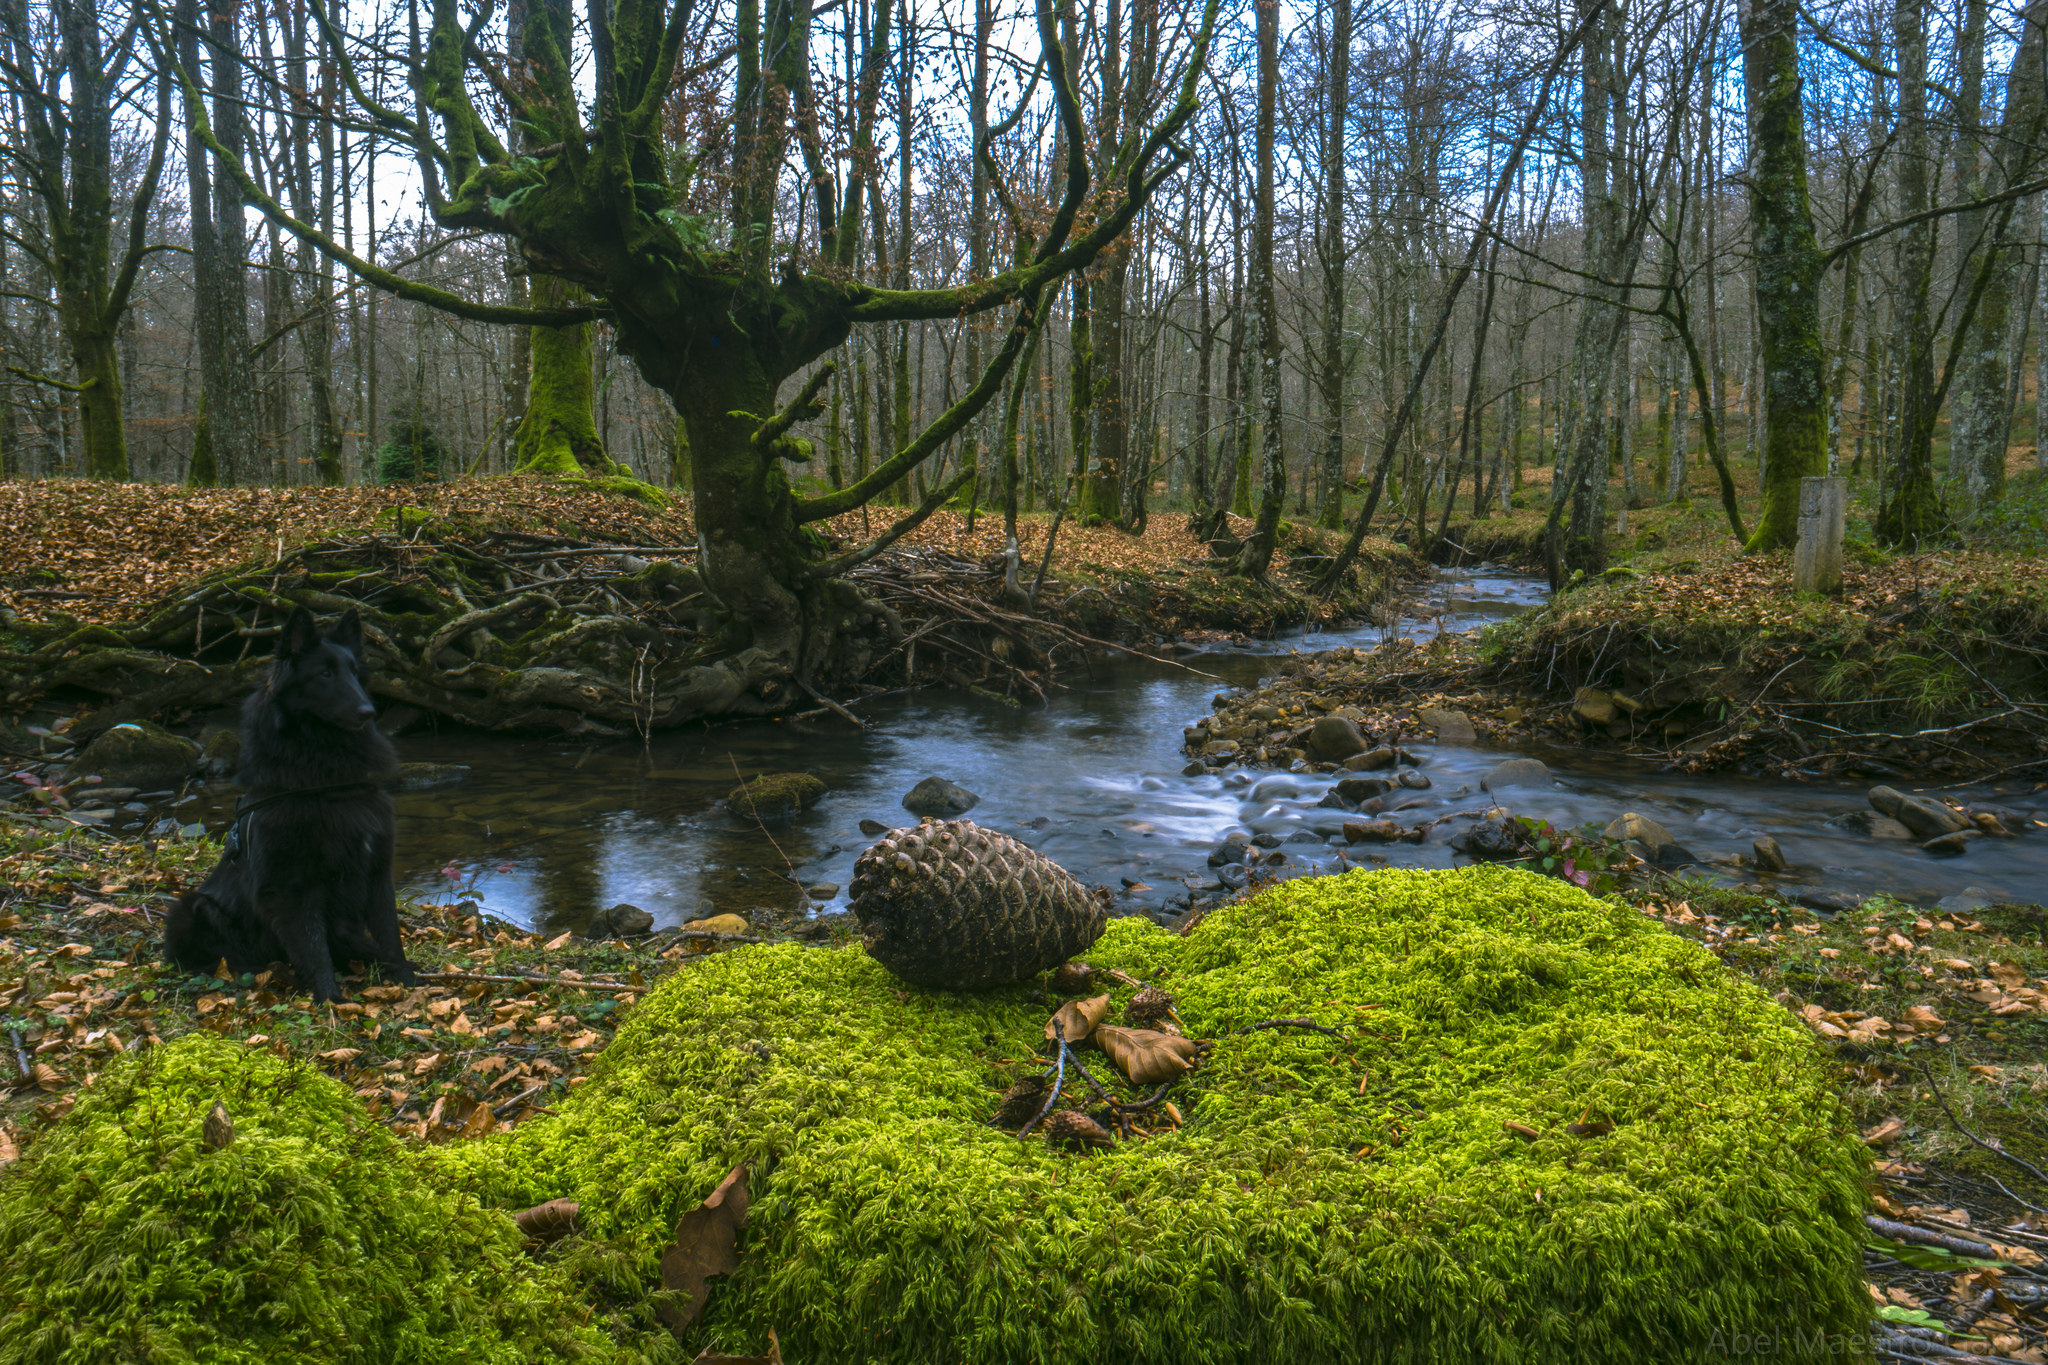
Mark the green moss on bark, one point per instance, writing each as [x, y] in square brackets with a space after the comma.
[558, 435]
[1788, 271]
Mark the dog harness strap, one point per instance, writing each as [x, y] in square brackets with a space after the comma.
[245, 807]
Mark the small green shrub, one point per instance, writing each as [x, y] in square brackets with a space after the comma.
[411, 452]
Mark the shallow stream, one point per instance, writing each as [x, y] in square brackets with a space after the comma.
[545, 831]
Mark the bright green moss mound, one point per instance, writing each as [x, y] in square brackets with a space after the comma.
[889, 1224]
[311, 1237]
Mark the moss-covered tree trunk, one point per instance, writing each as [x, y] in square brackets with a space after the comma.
[1912, 510]
[1788, 269]
[558, 434]
[96, 356]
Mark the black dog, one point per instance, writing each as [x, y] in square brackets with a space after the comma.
[306, 873]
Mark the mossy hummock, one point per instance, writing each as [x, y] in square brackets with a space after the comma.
[311, 1236]
[1324, 1201]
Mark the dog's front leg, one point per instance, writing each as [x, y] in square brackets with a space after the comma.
[383, 925]
[300, 923]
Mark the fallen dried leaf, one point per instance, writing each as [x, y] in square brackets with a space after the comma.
[1520, 1130]
[704, 1246]
[1920, 1016]
[1885, 1132]
[8, 1151]
[1078, 1018]
[1145, 1056]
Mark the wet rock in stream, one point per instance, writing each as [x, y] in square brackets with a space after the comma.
[1332, 739]
[1516, 772]
[1928, 819]
[938, 798]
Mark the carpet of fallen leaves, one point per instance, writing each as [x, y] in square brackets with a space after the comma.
[82, 980]
[1938, 1029]
[103, 551]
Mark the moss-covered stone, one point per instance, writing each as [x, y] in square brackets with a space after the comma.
[775, 795]
[310, 1237]
[136, 753]
[1324, 1201]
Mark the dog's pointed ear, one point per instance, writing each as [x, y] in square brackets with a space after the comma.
[301, 634]
[348, 632]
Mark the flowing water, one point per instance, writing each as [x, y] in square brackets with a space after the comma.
[547, 830]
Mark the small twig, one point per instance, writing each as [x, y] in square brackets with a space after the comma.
[830, 704]
[2029, 1167]
[1059, 1034]
[1926, 1237]
[1288, 1023]
[509, 1105]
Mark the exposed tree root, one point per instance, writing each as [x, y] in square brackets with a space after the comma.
[516, 630]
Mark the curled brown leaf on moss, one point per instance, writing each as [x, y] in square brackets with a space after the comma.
[706, 1244]
[1077, 1019]
[1146, 1056]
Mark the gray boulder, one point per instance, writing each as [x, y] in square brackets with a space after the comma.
[1452, 727]
[1642, 829]
[1516, 772]
[620, 921]
[1926, 818]
[1354, 790]
[937, 797]
[1332, 739]
[1769, 857]
[139, 755]
[1414, 780]
[1371, 760]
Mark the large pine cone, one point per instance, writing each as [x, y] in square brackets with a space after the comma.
[952, 905]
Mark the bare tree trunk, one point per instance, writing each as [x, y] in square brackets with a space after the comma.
[1912, 509]
[1257, 553]
[219, 256]
[1333, 251]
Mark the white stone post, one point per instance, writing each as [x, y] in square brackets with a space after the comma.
[1823, 516]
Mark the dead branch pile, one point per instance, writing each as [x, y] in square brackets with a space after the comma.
[522, 630]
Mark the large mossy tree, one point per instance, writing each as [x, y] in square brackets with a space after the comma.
[720, 307]
[1789, 266]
